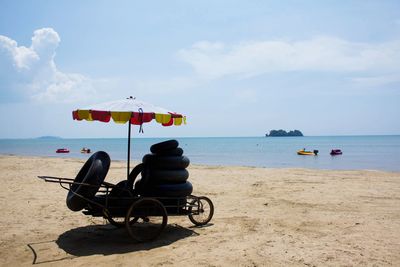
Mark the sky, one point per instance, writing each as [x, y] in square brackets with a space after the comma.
[234, 68]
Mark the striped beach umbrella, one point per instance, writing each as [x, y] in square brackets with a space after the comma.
[129, 110]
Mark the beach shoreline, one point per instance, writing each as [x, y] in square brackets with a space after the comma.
[360, 152]
[263, 216]
[132, 162]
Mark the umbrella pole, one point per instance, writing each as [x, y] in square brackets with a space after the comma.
[129, 147]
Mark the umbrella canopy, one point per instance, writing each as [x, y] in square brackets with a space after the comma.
[129, 110]
[135, 111]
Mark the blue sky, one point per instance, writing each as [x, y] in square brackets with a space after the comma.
[235, 68]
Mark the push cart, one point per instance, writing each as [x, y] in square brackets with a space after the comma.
[144, 215]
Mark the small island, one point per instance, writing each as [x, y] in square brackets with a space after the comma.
[279, 133]
[48, 137]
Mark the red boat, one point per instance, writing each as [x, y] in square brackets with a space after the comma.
[336, 152]
[62, 150]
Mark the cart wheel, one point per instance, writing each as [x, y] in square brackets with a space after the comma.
[146, 219]
[201, 211]
[117, 221]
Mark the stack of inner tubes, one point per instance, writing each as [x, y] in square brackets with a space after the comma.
[164, 173]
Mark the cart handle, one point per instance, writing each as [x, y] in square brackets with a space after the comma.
[70, 181]
[52, 179]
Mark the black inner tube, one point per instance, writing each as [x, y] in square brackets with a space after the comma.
[92, 173]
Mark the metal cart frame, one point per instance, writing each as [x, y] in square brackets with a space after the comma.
[144, 217]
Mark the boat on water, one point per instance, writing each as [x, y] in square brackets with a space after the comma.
[86, 150]
[307, 153]
[335, 152]
[62, 150]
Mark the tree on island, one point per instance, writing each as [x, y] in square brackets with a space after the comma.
[275, 133]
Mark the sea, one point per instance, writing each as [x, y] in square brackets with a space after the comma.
[359, 152]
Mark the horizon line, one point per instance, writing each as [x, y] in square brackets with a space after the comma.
[162, 137]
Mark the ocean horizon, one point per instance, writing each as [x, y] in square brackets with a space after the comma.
[368, 152]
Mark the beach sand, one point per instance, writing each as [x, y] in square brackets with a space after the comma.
[274, 217]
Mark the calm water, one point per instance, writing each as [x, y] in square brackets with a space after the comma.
[359, 152]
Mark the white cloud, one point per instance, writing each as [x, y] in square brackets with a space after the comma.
[21, 56]
[33, 70]
[67, 87]
[214, 60]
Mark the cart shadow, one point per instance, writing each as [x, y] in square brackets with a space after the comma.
[107, 240]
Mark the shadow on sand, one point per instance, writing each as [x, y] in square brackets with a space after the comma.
[107, 240]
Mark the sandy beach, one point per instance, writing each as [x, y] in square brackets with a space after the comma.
[274, 217]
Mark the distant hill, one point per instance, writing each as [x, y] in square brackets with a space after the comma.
[279, 133]
[49, 137]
